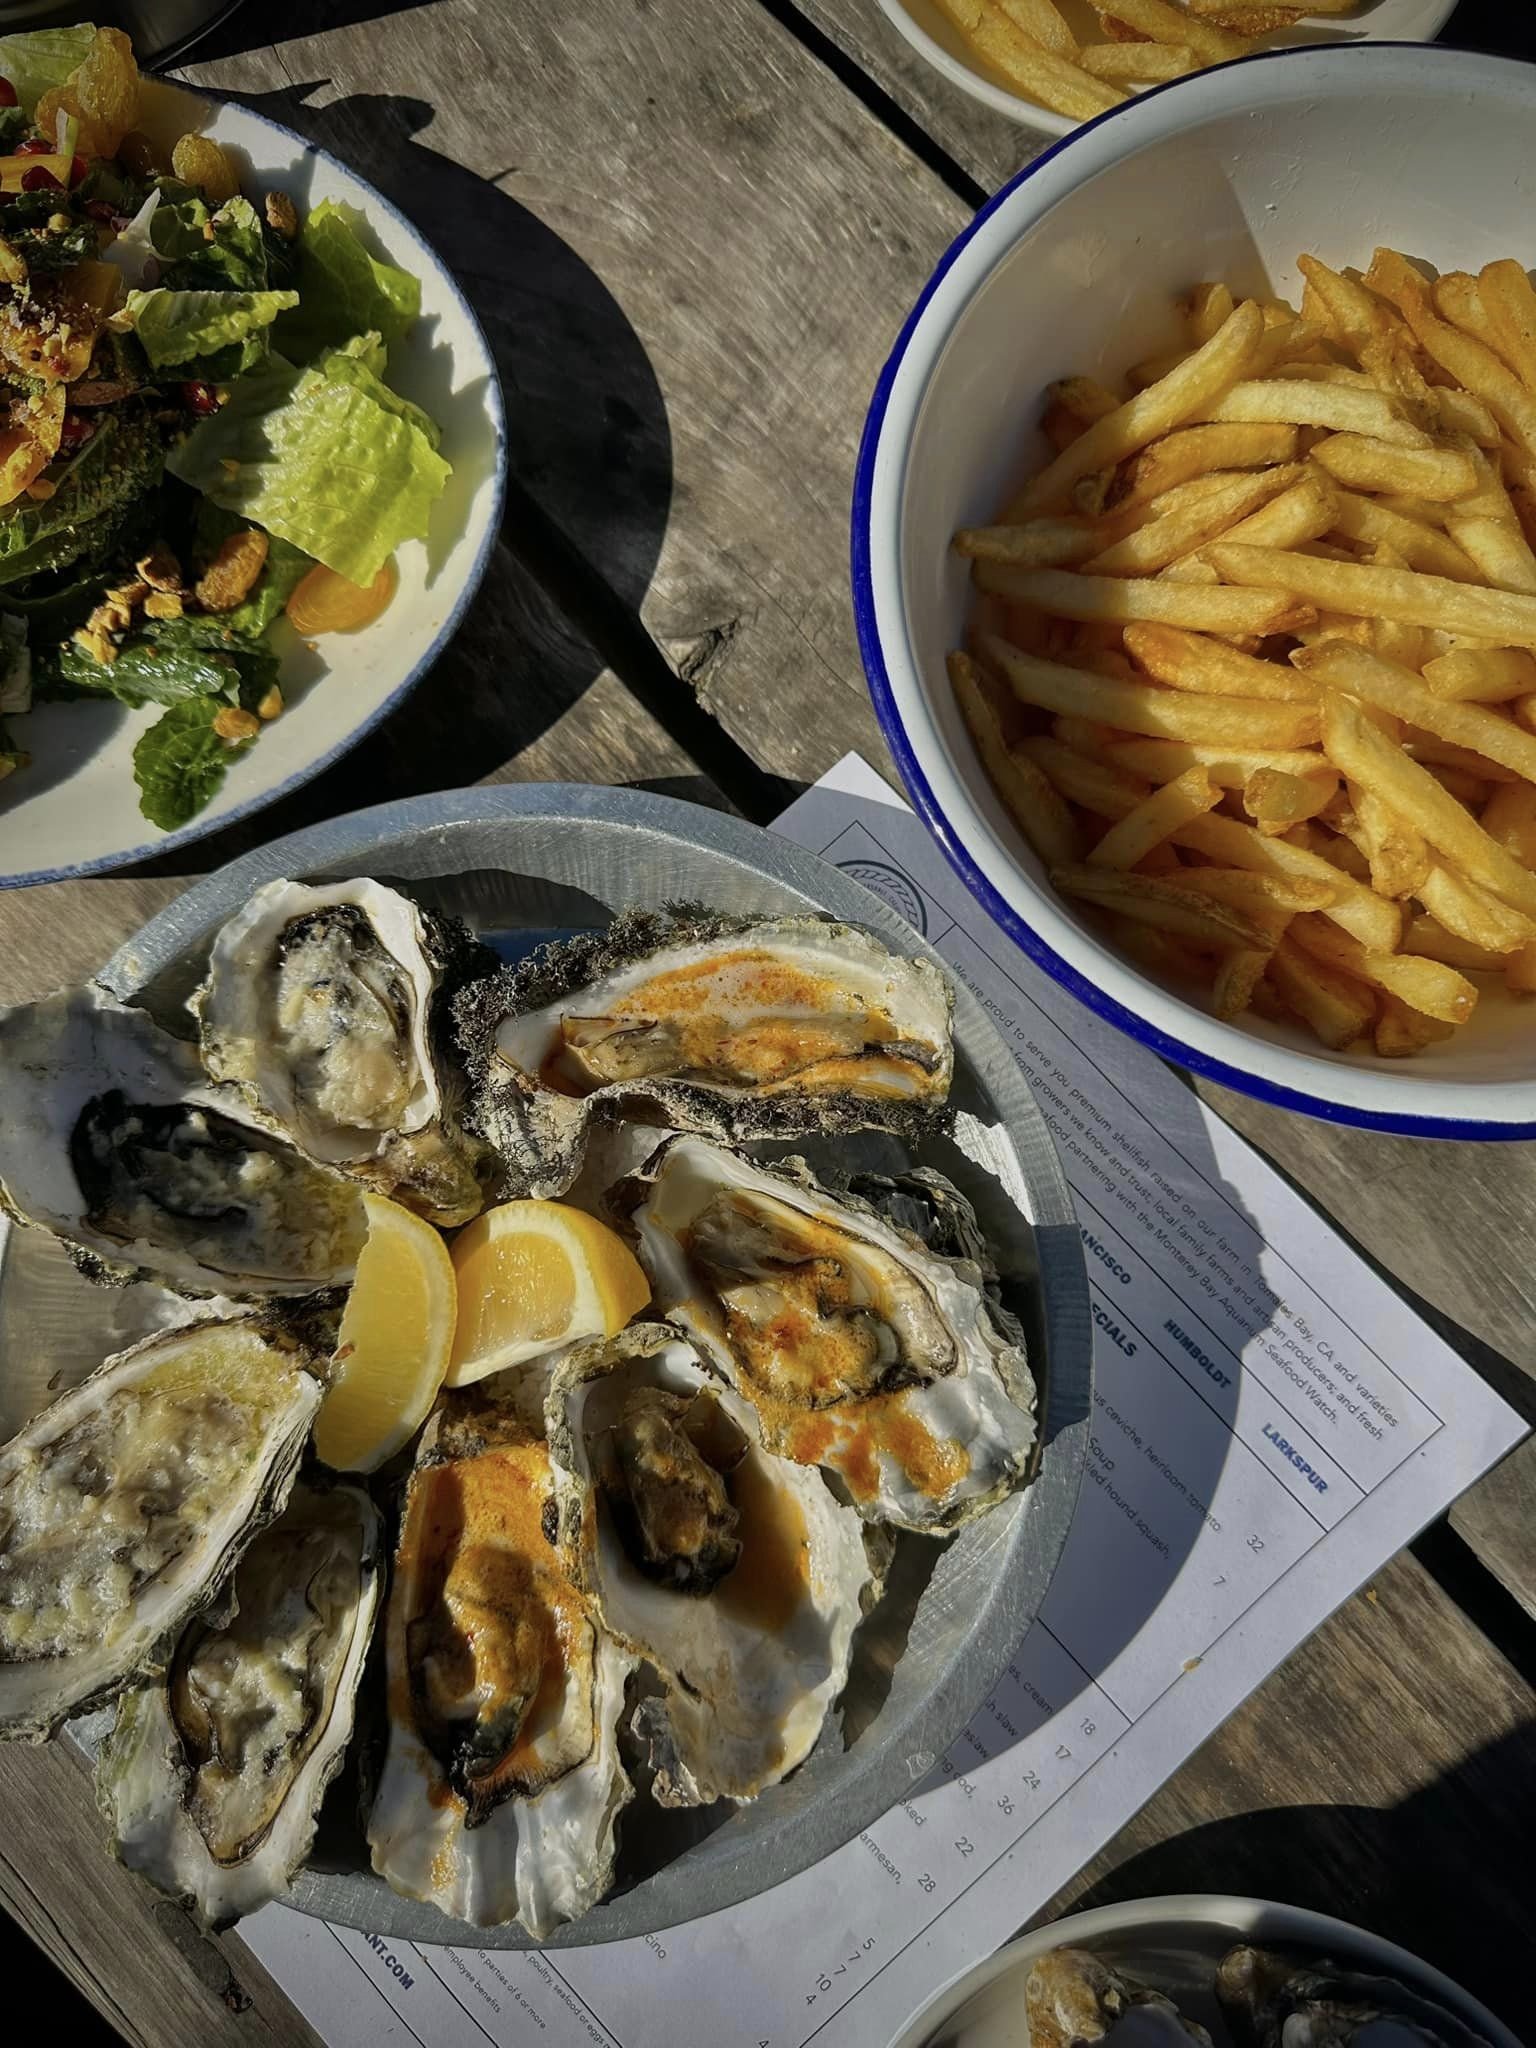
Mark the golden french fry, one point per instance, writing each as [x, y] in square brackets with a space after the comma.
[1401, 1031]
[1356, 314]
[1368, 464]
[1199, 451]
[1339, 851]
[1202, 608]
[1151, 370]
[1154, 900]
[1427, 985]
[1137, 64]
[1163, 23]
[1189, 661]
[1276, 799]
[1372, 919]
[1394, 850]
[1042, 23]
[1041, 544]
[1197, 381]
[1184, 527]
[1482, 675]
[1210, 307]
[1469, 911]
[1510, 817]
[1463, 354]
[1338, 1008]
[1520, 972]
[1230, 766]
[1499, 550]
[1510, 306]
[1143, 708]
[1445, 754]
[1422, 545]
[1239, 975]
[1504, 617]
[1243, 13]
[1085, 398]
[1398, 690]
[1261, 895]
[1085, 779]
[1133, 837]
[1158, 951]
[1046, 76]
[1427, 936]
[1460, 412]
[1289, 402]
[1363, 754]
[1304, 512]
[1037, 810]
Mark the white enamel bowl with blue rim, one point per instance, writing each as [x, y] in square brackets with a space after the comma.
[75, 809]
[934, 37]
[1074, 267]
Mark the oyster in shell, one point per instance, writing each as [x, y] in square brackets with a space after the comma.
[1276, 2001]
[323, 1006]
[212, 1776]
[739, 1027]
[127, 1504]
[860, 1349]
[111, 1137]
[502, 1782]
[739, 1575]
[1072, 1997]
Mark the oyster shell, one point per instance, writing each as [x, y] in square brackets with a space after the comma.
[738, 1575]
[1072, 1996]
[739, 1027]
[502, 1783]
[1276, 2001]
[860, 1350]
[322, 1005]
[212, 1777]
[111, 1137]
[125, 1506]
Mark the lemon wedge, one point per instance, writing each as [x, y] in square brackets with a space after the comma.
[395, 1341]
[532, 1275]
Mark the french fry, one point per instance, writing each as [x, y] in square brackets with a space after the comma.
[1394, 849]
[1520, 972]
[1304, 512]
[1338, 1008]
[1231, 767]
[1286, 401]
[1427, 936]
[1510, 306]
[1422, 545]
[1038, 811]
[1482, 675]
[1260, 17]
[1198, 451]
[1356, 314]
[1276, 799]
[1260, 895]
[1469, 790]
[1159, 952]
[1461, 353]
[1470, 912]
[1197, 381]
[1134, 836]
[1060, 427]
[1363, 754]
[1371, 918]
[1040, 544]
[1203, 609]
[1401, 1031]
[1083, 779]
[1398, 690]
[1500, 551]
[1210, 307]
[1510, 817]
[1189, 661]
[1238, 977]
[1460, 412]
[1042, 23]
[1427, 985]
[1153, 900]
[1045, 76]
[1445, 754]
[1143, 708]
[1184, 527]
[1368, 464]
[1136, 64]
[1163, 23]
[1504, 617]
[1085, 398]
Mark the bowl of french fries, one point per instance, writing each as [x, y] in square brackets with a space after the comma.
[1050, 64]
[1195, 576]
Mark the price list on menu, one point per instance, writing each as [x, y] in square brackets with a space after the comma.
[1256, 1388]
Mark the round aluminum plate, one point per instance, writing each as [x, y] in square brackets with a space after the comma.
[554, 858]
[1173, 1945]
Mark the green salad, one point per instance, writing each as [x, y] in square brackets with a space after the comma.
[200, 448]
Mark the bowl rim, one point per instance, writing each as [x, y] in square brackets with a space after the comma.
[1027, 113]
[200, 828]
[1228, 80]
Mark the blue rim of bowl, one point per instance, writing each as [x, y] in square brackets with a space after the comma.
[170, 841]
[1002, 913]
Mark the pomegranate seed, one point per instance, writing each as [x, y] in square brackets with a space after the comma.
[39, 180]
[7, 93]
[35, 147]
[101, 209]
[200, 397]
[77, 169]
[76, 430]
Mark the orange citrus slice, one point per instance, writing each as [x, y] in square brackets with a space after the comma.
[396, 1336]
[532, 1275]
[323, 602]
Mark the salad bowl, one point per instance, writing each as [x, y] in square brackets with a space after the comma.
[73, 808]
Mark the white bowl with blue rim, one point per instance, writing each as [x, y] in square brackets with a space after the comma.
[75, 809]
[1073, 267]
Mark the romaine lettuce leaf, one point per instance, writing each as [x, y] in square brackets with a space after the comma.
[15, 665]
[178, 326]
[233, 257]
[145, 672]
[318, 461]
[116, 467]
[42, 58]
[360, 361]
[180, 762]
[343, 290]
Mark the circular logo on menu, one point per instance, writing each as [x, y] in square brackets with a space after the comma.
[892, 887]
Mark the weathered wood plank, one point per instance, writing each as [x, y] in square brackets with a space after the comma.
[1385, 1774]
[1498, 1519]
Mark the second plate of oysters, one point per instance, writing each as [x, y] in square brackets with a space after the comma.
[653, 1619]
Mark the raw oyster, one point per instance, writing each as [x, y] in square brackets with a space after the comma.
[126, 1505]
[1276, 2001]
[322, 1005]
[1072, 1997]
[861, 1350]
[111, 1137]
[739, 1575]
[212, 1776]
[502, 1783]
[739, 1027]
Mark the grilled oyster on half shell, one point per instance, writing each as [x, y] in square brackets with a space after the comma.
[1271, 2000]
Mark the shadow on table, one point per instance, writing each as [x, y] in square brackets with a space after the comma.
[1370, 1867]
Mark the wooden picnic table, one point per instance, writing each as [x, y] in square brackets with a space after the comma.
[692, 229]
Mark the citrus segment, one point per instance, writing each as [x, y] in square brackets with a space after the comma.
[395, 1340]
[532, 1275]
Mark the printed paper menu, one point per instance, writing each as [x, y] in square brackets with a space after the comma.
[1270, 1424]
